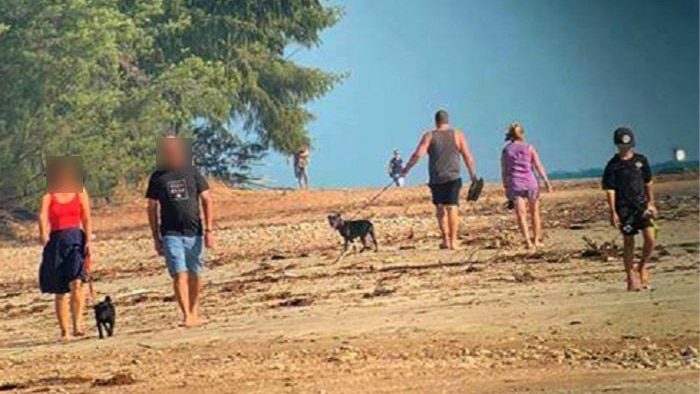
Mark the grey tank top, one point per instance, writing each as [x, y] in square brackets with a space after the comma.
[443, 164]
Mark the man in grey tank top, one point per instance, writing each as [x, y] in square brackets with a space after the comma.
[444, 147]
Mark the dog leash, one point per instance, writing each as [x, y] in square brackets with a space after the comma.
[374, 198]
[88, 269]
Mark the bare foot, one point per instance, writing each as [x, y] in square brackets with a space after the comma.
[644, 276]
[191, 322]
[539, 244]
[79, 331]
[632, 282]
[65, 338]
[443, 246]
[529, 245]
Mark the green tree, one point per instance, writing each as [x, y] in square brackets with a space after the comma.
[105, 78]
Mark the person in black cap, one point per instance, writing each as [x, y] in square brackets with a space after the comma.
[628, 181]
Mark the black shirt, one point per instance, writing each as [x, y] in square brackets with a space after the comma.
[177, 193]
[396, 165]
[628, 178]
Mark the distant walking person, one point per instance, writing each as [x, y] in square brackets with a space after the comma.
[444, 147]
[65, 233]
[396, 168]
[519, 161]
[176, 228]
[628, 181]
[301, 166]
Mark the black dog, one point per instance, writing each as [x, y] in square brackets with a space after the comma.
[350, 230]
[105, 315]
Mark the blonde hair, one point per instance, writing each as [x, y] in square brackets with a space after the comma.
[510, 133]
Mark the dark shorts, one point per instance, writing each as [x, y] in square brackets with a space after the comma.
[63, 261]
[446, 193]
[632, 220]
[300, 172]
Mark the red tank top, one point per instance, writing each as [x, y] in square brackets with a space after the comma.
[65, 215]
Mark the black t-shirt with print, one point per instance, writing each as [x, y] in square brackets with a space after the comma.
[177, 193]
[628, 178]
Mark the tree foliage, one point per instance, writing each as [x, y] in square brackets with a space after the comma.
[105, 78]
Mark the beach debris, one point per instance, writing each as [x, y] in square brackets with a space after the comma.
[605, 251]
[380, 291]
[12, 386]
[118, 379]
[524, 277]
[346, 353]
[689, 355]
[297, 302]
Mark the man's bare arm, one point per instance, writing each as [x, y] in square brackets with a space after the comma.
[421, 150]
[208, 208]
[614, 219]
[649, 187]
[466, 155]
[152, 211]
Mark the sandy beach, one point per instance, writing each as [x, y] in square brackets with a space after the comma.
[282, 317]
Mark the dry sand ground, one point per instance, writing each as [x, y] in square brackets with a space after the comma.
[282, 318]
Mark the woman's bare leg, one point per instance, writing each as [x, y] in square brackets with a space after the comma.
[77, 305]
[521, 214]
[536, 220]
[62, 311]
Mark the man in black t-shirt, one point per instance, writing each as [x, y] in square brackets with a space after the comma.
[629, 184]
[177, 188]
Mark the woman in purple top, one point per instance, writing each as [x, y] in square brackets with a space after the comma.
[519, 161]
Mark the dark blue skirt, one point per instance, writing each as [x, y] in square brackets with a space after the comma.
[63, 261]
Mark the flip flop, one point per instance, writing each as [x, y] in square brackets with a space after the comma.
[475, 190]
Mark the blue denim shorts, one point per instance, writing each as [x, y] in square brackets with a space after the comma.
[183, 253]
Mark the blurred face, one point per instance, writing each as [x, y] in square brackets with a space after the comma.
[173, 154]
[624, 149]
[64, 178]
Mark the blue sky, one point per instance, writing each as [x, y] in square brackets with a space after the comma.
[569, 71]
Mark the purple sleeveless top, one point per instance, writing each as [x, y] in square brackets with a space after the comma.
[520, 177]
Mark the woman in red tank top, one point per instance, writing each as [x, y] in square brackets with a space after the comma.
[65, 232]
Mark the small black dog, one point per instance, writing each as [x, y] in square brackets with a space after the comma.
[350, 230]
[105, 315]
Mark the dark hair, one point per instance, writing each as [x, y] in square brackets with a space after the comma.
[170, 133]
[442, 117]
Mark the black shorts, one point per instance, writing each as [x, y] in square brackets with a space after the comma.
[632, 220]
[446, 193]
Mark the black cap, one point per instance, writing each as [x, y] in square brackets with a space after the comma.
[624, 137]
